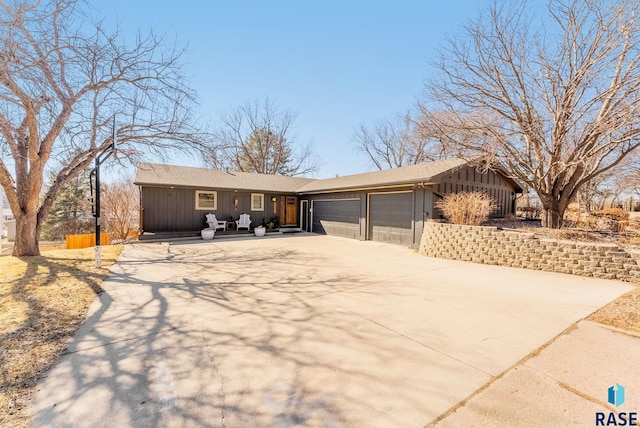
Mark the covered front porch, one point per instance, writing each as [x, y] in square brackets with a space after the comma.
[183, 212]
[195, 234]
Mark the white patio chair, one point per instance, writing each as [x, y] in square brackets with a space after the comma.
[214, 223]
[244, 222]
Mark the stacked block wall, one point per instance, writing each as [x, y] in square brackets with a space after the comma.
[490, 245]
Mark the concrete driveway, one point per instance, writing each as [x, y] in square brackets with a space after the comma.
[304, 330]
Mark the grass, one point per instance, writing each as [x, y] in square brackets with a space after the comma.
[43, 300]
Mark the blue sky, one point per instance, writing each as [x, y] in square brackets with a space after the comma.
[338, 64]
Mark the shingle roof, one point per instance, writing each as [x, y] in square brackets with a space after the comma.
[171, 175]
[395, 176]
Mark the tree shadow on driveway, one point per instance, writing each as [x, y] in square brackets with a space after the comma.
[310, 332]
[215, 336]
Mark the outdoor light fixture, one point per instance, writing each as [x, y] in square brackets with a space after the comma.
[273, 199]
[235, 201]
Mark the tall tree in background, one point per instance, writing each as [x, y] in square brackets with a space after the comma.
[62, 77]
[401, 142]
[256, 137]
[70, 213]
[553, 96]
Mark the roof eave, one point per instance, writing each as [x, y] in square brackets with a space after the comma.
[229, 189]
[364, 188]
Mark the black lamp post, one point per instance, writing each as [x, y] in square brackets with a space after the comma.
[95, 172]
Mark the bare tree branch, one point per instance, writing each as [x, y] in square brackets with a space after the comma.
[401, 142]
[553, 97]
[62, 77]
[256, 137]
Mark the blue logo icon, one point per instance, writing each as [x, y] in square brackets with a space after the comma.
[616, 395]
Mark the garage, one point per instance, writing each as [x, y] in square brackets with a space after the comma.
[391, 217]
[337, 217]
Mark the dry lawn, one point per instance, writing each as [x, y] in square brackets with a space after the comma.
[43, 300]
[624, 312]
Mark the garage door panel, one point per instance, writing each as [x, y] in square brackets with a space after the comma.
[391, 217]
[337, 217]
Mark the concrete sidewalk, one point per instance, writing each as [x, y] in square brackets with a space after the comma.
[565, 384]
[314, 331]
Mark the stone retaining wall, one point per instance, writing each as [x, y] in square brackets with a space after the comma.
[489, 245]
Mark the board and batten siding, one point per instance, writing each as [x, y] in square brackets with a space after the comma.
[470, 180]
[174, 210]
[167, 210]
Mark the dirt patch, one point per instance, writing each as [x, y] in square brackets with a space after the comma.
[43, 300]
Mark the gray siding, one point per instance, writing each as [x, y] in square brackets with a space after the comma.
[469, 180]
[423, 210]
[170, 210]
[174, 210]
[375, 214]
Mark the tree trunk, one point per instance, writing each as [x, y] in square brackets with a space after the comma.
[552, 216]
[27, 236]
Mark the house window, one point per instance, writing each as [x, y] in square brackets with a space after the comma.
[206, 200]
[257, 202]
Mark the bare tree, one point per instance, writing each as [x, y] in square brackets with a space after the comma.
[256, 137]
[400, 142]
[554, 98]
[120, 204]
[606, 190]
[62, 78]
[633, 183]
